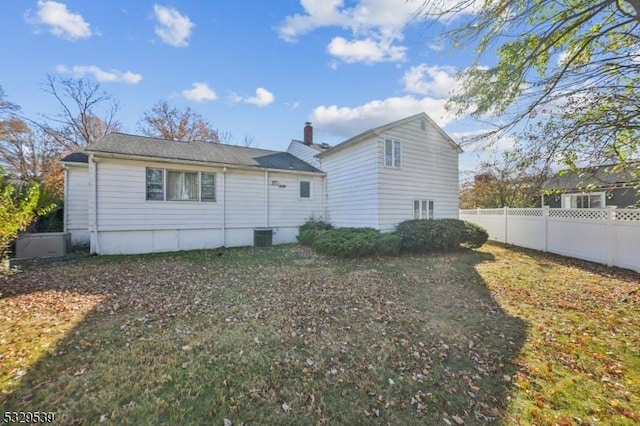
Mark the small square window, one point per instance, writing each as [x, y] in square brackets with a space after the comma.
[305, 189]
[182, 186]
[423, 209]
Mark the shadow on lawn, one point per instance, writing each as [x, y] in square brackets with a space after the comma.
[405, 340]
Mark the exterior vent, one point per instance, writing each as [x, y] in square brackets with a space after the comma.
[48, 244]
[263, 237]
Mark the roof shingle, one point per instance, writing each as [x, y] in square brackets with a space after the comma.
[142, 146]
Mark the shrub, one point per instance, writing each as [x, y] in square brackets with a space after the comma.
[475, 235]
[306, 237]
[439, 235]
[18, 208]
[310, 230]
[356, 242]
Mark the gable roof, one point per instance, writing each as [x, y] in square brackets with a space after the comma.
[75, 157]
[120, 144]
[599, 177]
[320, 147]
[377, 130]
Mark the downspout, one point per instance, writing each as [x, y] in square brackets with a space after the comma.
[266, 198]
[65, 218]
[95, 204]
[324, 201]
[224, 206]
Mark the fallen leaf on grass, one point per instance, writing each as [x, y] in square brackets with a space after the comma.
[458, 420]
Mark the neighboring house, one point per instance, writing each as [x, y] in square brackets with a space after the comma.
[134, 194]
[593, 187]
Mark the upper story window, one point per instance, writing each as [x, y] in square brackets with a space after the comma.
[305, 189]
[178, 185]
[392, 153]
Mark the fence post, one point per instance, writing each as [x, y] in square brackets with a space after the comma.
[545, 215]
[506, 225]
[611, 216]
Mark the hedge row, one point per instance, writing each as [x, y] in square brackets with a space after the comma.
[416, 236]
[420, 236]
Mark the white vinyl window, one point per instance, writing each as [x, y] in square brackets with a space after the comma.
[392, 153]
[305, 189]
[179, 185]
[182, 186]
[155, 184]
[207, 186]
[423, 209]
[593, 200]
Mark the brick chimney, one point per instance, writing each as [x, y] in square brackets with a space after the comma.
[308, 133]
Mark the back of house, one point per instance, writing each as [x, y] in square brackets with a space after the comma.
[133, 194]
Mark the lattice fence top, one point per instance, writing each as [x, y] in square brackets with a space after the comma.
[594, 214]
[590, 214]
[526, 212]
[488, 212]
[627, 214]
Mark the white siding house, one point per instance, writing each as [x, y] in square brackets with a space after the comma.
[127, 211]
[403, 170]
[76, 198]
[132, 194]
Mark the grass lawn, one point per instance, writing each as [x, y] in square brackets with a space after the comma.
[286, 336]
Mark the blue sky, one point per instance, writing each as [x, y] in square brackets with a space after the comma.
[250, 68]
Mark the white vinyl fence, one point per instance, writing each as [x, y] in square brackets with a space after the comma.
[610, 236]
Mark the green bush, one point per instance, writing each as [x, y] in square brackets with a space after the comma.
[306, 237]
[421, 236]
[475, 235]
[310, 230]
[356, 242]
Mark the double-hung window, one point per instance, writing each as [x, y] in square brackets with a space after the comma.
[392, 153]
[423, 209]
[155, 184]
[305, 190]
[207, 186]
[180, 185]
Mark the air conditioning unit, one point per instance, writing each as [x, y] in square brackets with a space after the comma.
[262, 237]
[46, 244]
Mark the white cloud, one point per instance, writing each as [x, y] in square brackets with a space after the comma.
[61, 22]
[348, 121]
[367, 50]
[199, 93]
[111, 76]
[262, 98]
[375, 26]
[173, 28]
[439, 81]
